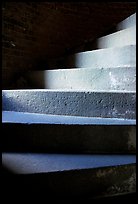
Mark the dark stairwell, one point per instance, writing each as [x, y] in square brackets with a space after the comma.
[68, 100]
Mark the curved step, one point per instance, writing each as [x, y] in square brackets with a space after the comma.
[117, 39]
[116, 104]
[41, 133]
[103, 58]
[118, 78]
[28, 163]
[74, 175]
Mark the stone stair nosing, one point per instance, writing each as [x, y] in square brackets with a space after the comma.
[114, 78]
[111, 104]
[101, 58]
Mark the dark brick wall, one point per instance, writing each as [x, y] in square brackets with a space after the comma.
[35, 32]
[18, 39]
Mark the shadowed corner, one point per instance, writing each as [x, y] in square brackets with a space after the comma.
[9, 103]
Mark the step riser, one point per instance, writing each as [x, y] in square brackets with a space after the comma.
[127, 23]
[100, 181]
[115, 57]
[86, 79]
[89, 104]
[69, 138]
[118, 39]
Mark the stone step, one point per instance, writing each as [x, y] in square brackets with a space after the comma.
[74, 175]
[127, 23]
[117, 39]
[102, 58]
[28, 163]
[51, 133]
[118, 78]
[117, 104]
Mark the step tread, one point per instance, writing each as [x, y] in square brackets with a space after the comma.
[97, 58]
[35, 118]
[106, 57]
[118, 78]
[36, 163]
[107, 50]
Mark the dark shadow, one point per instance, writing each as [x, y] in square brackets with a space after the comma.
[66, 138]
[43, 187]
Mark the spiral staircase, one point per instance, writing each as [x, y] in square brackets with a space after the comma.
[73, 134]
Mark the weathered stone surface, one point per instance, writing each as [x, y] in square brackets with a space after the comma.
[103, 58]
[127, 23]
[78, 103]
[75, 175]
[41, 133]
[118, 78]
[118, 39]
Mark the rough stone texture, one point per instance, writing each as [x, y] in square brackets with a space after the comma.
[75, 175]
[118, 78]
[128, 22]
[118, 39]
[43, 133]
[90, 104]
[102, 58]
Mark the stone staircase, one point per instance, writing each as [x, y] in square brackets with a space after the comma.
[74, 133]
